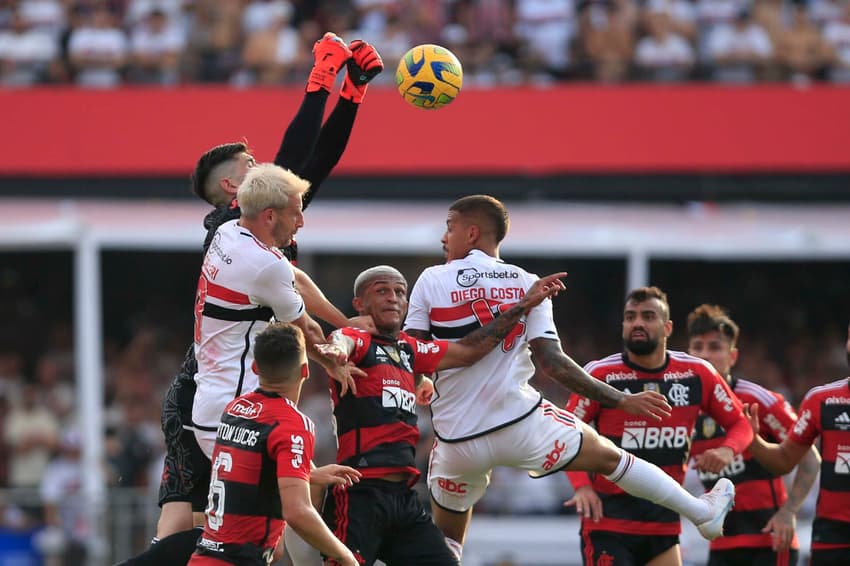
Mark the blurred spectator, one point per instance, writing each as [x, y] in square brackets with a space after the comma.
[260, 15]
[836, 34]
[26, 52]
[606, 41]
[155, 47]
[31, 432]
[737, 51]
[663, 55]
[824, 12]
[683, 16]
[271, 51]
[63, 541]
[43, 15]
[98, 50]
[800, 49]
[214, 41]
[138, 10]
[547, 28]
[713, 13]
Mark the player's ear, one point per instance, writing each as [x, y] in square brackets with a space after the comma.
[254, 367]
[473, 232]
[305, 370]
[357, 303]
[733, 356]
[668, 328]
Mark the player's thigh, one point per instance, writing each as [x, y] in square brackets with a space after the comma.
[670, 556]
[354, 516]
[543, 443]
[597, 453]
[459, 473]
[415, 540]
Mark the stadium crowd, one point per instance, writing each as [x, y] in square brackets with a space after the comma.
[107, 43]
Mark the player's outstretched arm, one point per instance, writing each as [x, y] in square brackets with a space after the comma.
[783, 524]
[480, 342]
[779, 459]
[549, 357]
[318, 305]
[333, 363]
[300, 515]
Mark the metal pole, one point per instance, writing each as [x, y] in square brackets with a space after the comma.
[637, 269]
[89, 366]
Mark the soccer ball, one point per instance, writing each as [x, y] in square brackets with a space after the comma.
[429, 76]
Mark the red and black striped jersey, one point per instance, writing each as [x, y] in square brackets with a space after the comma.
[690, 385]
[825, 412]
[759, 494]
[262, 437]
[377, 427]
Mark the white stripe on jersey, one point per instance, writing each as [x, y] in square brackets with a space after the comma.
[765, 397]
[840, 384]
[494, 391]
[613, 359]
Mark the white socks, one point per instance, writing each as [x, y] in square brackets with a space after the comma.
[642, 479]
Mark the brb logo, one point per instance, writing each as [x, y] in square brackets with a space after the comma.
[398, 398]
[655, 437]
[451, 487]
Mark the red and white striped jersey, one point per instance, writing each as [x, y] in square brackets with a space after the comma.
[243, 284]
[825, 412]
[452, 300]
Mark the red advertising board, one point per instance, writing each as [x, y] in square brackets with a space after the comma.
[522, 131]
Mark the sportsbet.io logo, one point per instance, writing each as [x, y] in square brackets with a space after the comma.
[467, 276]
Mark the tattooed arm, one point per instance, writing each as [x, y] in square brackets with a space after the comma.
[783, 524]
[480, 342]
[550, 358]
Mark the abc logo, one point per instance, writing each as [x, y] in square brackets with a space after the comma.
[452, 487]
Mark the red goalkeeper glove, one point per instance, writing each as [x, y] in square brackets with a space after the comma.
[364, 65]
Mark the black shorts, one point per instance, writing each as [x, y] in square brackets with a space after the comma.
[753, 557]
[619, 549]
[186, 471]
[386, 520]
[830, 557]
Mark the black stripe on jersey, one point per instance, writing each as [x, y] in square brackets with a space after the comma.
[242, 360]
[246, 499]
[453, 332]
[389, 455]
[747, 522]
[830, 531]
[831, 481]
[360, 413]
[630, 508]
[236, 315]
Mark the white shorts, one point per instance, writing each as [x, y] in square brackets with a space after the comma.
[206, 440]
[544, 442]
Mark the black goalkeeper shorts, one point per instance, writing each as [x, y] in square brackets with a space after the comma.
[186, 471]
[619, 549]
[384, 519]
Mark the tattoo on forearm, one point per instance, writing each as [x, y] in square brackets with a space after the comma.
[804, 479]
[565, 371]
[489, 335]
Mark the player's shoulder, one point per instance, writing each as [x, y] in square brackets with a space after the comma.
[682, 362]
[837, 392]
[608, 364]
[749, 391]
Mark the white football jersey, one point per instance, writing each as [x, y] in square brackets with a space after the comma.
[243, 284]
[452, 300]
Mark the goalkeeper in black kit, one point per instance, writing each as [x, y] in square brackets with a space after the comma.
[311, 149]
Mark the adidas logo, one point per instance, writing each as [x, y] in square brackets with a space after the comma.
[843, 418]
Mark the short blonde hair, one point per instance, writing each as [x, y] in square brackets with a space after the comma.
[268, 186]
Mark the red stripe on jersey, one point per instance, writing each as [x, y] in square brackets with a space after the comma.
[828, 546]
[756, 495]
[225, 294]
[371, 437]
[451, 314]
[631, 527]
[340, 495]
[727, 542]
[834, 505]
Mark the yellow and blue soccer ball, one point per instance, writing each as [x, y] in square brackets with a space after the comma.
[429, 76]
